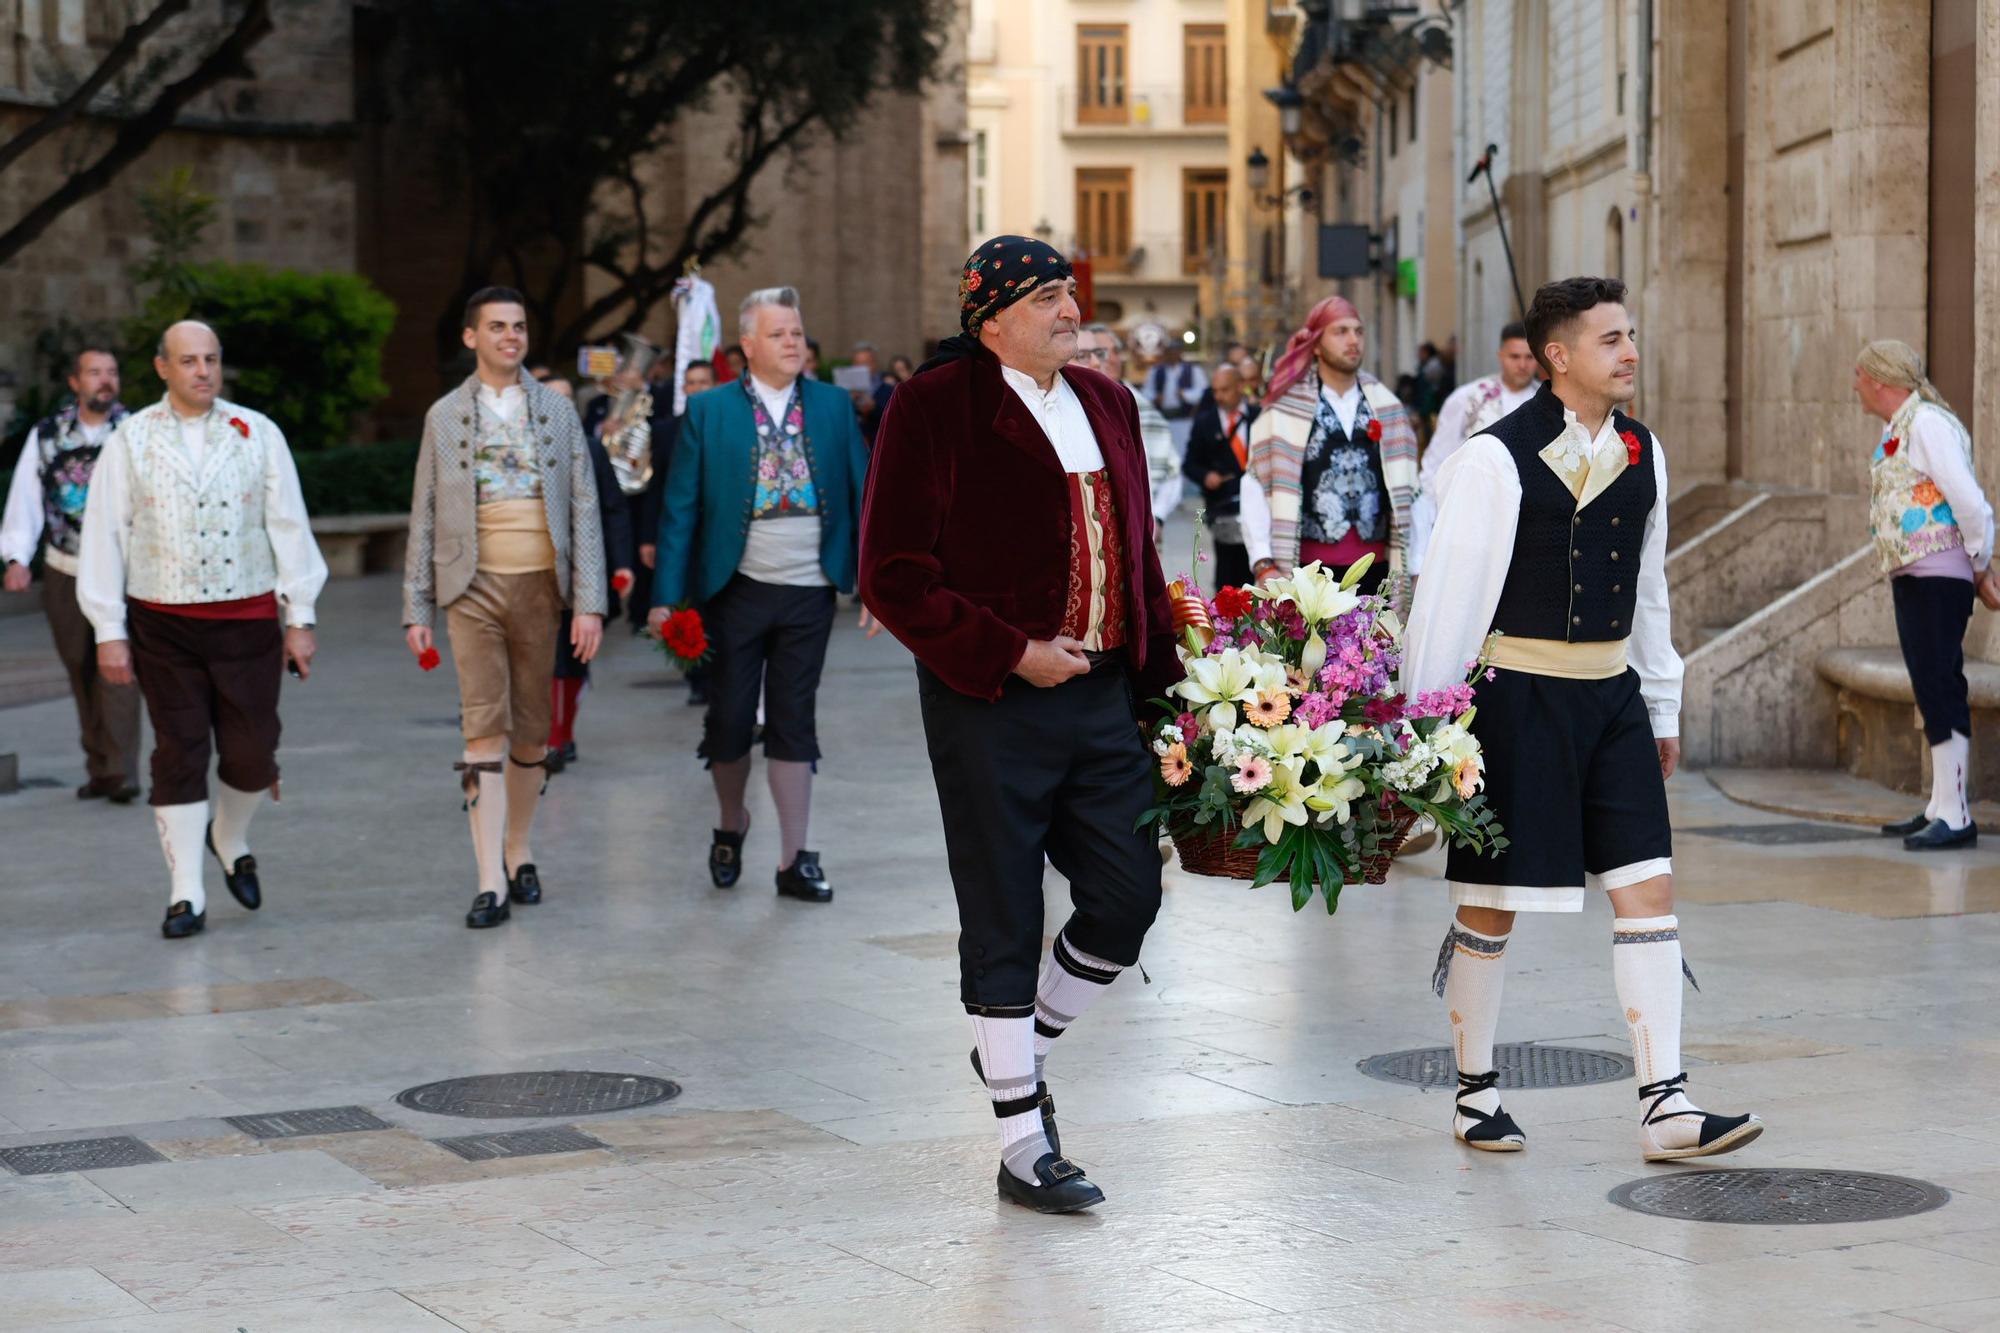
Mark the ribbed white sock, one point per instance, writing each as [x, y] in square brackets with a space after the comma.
[1948, 764]
[524, 794]
[1007, 1055]
[1646, 969]
[1474, 980]
[182, 830]
[1071, 982]
[233, 812]
[487, 812]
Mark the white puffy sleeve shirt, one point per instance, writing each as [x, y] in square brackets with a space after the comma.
[1466, 568]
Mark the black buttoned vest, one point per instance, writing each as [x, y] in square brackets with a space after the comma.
[1574, 575]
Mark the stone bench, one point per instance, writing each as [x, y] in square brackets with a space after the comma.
[357, 544]
[1881, 736]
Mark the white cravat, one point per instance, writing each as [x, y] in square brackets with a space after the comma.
[1345, 405]
[775, 400]
[1060, 414]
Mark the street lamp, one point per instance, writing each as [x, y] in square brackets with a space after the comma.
[1258, 172]
[1289, 102]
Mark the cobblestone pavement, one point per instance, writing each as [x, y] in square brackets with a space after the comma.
[828, 1164]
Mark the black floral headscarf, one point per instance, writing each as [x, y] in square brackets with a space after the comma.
[1001, 272]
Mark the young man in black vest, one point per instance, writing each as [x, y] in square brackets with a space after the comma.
[1552, 563]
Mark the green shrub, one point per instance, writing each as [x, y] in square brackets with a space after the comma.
[359, 478]
[305, 349]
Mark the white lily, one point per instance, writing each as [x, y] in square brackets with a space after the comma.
[1317, 594]
[1336, 795]
[1282, 802]
[1231, 676]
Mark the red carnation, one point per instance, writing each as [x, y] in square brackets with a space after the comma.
[1375, 431]
[242, 427]
[684, 637]
[1890, 446]
[429, 659]
[1631, 446]
[621, 582]
[1233, 603]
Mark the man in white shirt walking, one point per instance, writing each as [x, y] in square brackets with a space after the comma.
[1550, 562]
[195, 545]
[45, 513]
[1467, 412]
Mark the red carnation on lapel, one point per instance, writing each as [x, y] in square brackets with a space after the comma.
[1890, 446]
[1375, 430]
[1631, 447]
[241, 426]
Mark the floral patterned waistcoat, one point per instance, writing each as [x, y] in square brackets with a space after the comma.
[1908, 516]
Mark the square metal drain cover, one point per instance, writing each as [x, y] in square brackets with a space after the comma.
[519, 1143]
[44, 1159]
[300, 1124]
[1779, 1197]
[1521, 1065]
[555, 1092]
[1784, 835]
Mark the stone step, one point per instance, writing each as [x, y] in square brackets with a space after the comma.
[31, 679]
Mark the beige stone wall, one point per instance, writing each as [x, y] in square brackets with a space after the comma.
[1836, 164]
[275, 152]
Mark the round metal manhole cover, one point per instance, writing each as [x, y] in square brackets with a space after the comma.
[1779, 1197]
[1521, 1065]
[556, 1092]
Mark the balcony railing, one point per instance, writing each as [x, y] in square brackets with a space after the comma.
[1153, 257]
[1141, 110]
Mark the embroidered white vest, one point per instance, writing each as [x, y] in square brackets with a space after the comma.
[197, 538]
[1908, 516]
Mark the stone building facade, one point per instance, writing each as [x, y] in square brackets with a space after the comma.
[1778, 182]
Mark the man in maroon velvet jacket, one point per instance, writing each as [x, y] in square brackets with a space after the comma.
[1007, 541]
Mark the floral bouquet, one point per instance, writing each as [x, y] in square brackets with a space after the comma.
[684, 639]
[1285, 755]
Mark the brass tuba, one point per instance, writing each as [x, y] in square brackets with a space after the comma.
[628, 427]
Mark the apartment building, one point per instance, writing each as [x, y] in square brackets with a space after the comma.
[1103, 126]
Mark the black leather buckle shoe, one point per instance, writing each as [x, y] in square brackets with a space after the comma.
[183, 921]
[524, 886]
[1938, 836]
[1063, 1189]
[124, 793]
[804, 880]
[1903, 828]
[1042, 1092]
[90, 791]
[725, 856]
[241, 878]
[488, 909]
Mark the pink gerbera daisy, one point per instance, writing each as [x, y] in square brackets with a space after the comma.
[1252, 774]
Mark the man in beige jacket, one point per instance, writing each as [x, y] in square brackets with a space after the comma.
[504, 533]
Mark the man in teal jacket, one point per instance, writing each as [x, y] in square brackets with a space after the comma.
[760, 526]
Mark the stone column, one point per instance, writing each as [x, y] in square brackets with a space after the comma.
[1684, 377]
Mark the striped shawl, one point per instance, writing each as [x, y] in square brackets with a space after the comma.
[1278, 441]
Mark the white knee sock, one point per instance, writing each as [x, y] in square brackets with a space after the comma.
[1948, 763]
[1007, 1055]
[233, 811]
[1646, 968]
[486, 809]
[182, 831]
[524, 793]
[1475, 975]
[1071, 982]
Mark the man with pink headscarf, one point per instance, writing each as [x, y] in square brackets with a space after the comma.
[1333, 459]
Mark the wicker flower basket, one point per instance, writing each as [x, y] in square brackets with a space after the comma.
[1211, 851]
